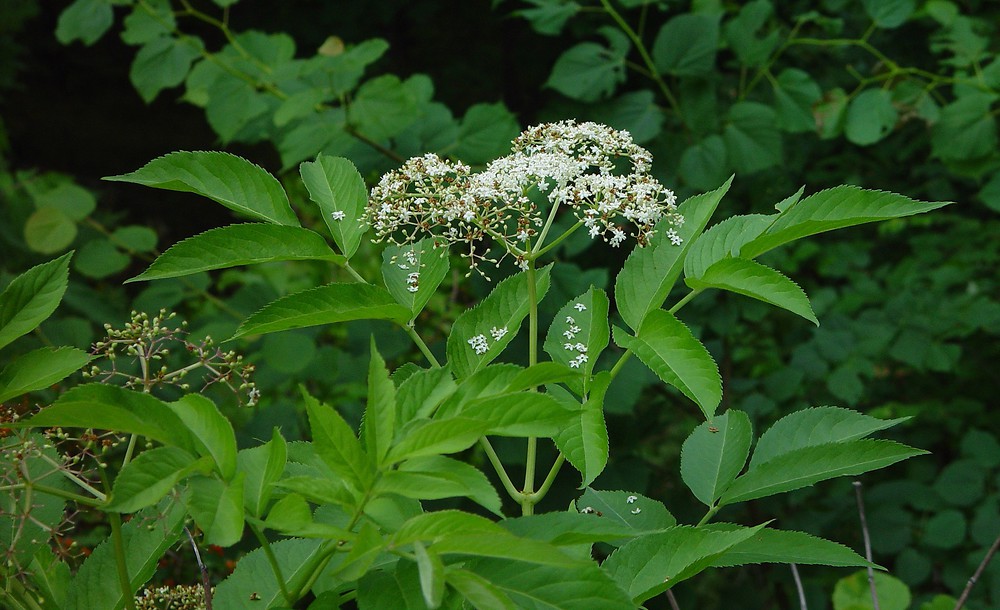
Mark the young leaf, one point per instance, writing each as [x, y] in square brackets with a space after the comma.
[146, 537]
[150, 476]
[232, 181]
[391, 588]
[434, 526]
[809, 465]
[669, 349]
[105, 407]
[261, 467]
[650, 272]
[324, 305]
[580, 332]
[650, 565]
[498, 315]
[521, 414]
[633, 511]
[290, 515]
[816, 426]
[217, 508]
[450, 477]
[242, 244]
[378, 426]
[578, 587]
[723, 240]
[435, 437]
[779, 546]
[32, 297]
[835, 208]
[431, 575]
[336, 444]
[714, 454]
[413, 272]
[212, 433]
[584, 441]
[40, 369]
[751, 279]
[255, 577]
[335, 185]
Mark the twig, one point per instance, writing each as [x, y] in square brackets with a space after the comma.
[979, 572]
[672, 600]
[205, 580]
[868, 544]
[798, 586]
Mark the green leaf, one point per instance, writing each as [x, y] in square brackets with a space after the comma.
[434, 526]
[60, 192]
[534, 587]
[217, 509]
[650, 565]
[549, 16]
[135, 238]
[150, 476]
[705, 164]
[336, 444]
[32, 297]
[234, 245]
[163, 63]
[588, 71]
[232, 181]
[335, 185]
[855, 593]
[84, 20]
[435, 437]
[795, 94]
[148, 21]
[501, 311]
[870, 117]
[378, 425]
[835, 208]
[502, 545]
[99, 258]
[778, 546]
[289, 515]
[478, 591]
[485, 133]
[809, 465]
[324, 305]
[830, 113]
[521, 414]
[413, 272]
[723, 240]
[493, 379]
[540, 374]
[431, 575]
[423, 392]
[650, 272]
[383, 107]
[580, 323]
[816, 426]
[212, 433]
[435, 477]
[634, 512]
[753, 142]
[261, 466]
[686, 45]
[49, 230]
[966, 130]
[714, 454]
[39, 369]
[254, 575]
[677, 357]
[751, 279]
[105, 407]
[569, 528]
[889, 13]
[584, 441]
[96, 583]
[741, 33]
[635, 112]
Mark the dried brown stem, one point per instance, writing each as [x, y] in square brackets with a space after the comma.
[979, 572]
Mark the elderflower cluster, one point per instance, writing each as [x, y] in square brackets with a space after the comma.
[597, 172]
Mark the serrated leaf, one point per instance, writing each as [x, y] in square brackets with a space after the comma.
[234, 245]
[670, 350]
[580, 323]
[217, 508]
[816, 426]
[751, 279]
[477, 590]
[533, 587]
[967, 128]
[413, 272]
[290, 515]
[335, 185]
[503, 545]
[569, 528]
[434, 526]
[780, 546]
[686, 45]
[431, 575]
[336, 444]
[150, 476]
[633, 511]
[723, 240]
[39, 369]
[584, 441]
[835, 208]
[503, 310]
[420, 394]
[145, 538]
[227, 179]
[262, 466]
[254, 575]
[436, 437]
[520, 414]
[809, 465]
[212, 433]
[650, 272]
[541, 374]
[324, 305]
[378, 426]
[650, 565]
[32, 297]
[493, 379]
[714, 454]
[434, 477]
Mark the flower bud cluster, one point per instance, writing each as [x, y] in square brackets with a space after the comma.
[596, 171]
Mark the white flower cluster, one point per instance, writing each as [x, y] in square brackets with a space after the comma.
[578, 348]
[598, 172]
[479, 343]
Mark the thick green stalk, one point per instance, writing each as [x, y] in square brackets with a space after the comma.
[271, 559]
[119, 545]
[498, 466]
[421, 345]
[527, 502]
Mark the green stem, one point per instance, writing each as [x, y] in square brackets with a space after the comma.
[130, 449]
[549, 479]
[357, 276]
[77, 480]
[528, 494]
[426, 351]
[708, 516]
[527, 504]
[54, 491]
[684, 301]
[545, 229]
[119, 544]
[498, 466]
[559, 239]
[271, 559]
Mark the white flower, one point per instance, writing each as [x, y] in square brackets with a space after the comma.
[498, 333]
[569, 334]
[675, 239]
[479, 344]
[579, 307]
[636, 511]
[570, 320]
[569, 347]
[574, 364]
[413, 282]
[631, 499]
[574, 329]
[338, 215]
[580, 347]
